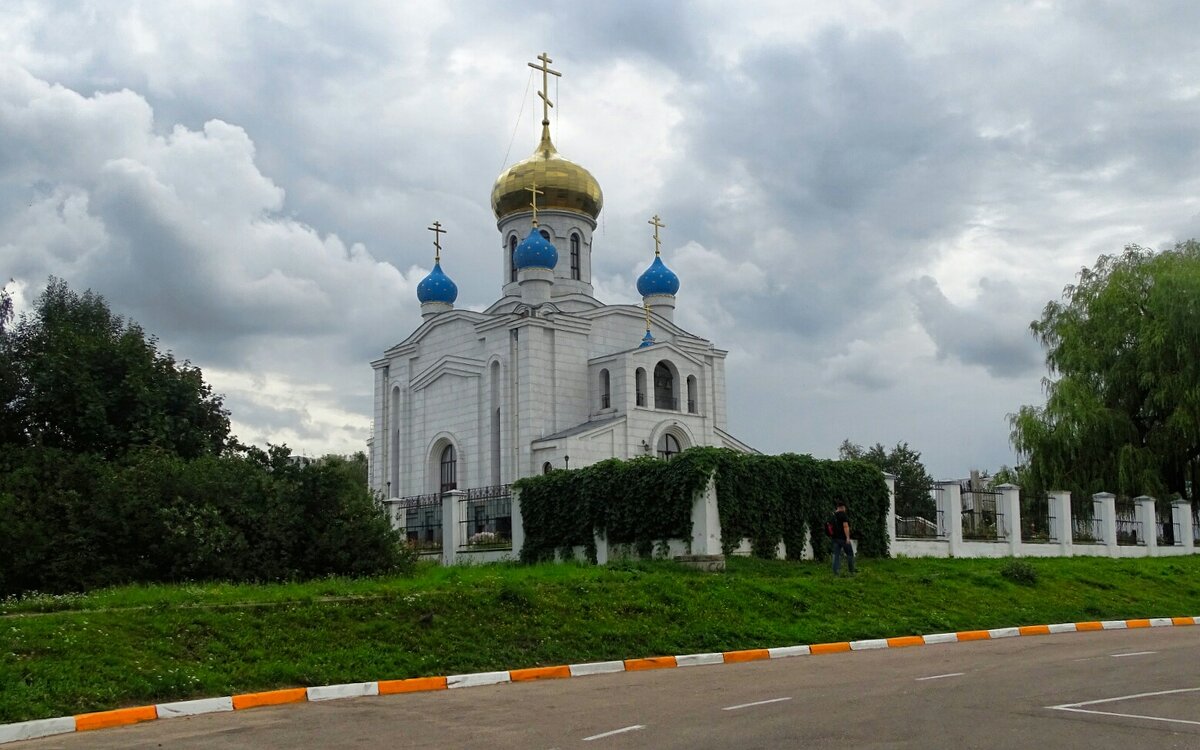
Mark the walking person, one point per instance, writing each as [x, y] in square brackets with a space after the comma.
[841, 540]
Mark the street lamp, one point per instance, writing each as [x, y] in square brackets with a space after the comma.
[567, 462]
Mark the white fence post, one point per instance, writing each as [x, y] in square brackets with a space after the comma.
[706, 523]
[1010, 499]
[1104, 508]
[450, 525]
[951, 497]
[890, 481]
[601, 547]
[518, 525]
[1060, 508]
[1181, 514]
[1146, 514]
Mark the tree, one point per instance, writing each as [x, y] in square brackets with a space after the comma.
[1122, 410]
[913, 483]
[84, 380]
[6, 308]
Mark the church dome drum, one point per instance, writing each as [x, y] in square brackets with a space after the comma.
[657, 279]
[437, 287]
[563, 184]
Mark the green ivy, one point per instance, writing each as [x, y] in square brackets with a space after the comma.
[643, 501]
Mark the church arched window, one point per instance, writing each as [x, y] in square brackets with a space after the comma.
[605, 390]
[665, 389]
[575, 269]
[691, 394]
[640, 385]
[668, 446]
[512, 257]
[547, 468]
[545, 234]
[449, 469]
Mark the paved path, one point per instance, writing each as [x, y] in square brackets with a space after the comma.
[989, 694]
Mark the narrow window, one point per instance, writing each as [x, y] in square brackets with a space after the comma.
[575, 256]
[640, 386]
[691, 394]
[664, 387]
[547, 468]
[545, 234]
[512, 257]
[449, 469]
[605, 393]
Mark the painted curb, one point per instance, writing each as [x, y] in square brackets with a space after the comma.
[29, 730]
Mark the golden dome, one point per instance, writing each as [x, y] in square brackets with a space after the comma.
[562, 184]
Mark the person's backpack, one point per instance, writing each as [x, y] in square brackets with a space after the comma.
[829, 529]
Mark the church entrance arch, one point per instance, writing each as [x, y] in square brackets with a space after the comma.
[670, 438]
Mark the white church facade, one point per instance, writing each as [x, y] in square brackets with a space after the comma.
[548, 376]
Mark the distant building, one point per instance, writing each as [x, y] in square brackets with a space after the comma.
[548, 376]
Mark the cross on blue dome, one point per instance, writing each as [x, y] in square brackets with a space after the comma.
[437, 287]
[535, 252]
[657, 279]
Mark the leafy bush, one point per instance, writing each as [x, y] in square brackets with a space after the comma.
[77, 521]
[766, 499]
[1019, 572]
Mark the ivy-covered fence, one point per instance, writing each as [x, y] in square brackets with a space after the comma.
[644, 501]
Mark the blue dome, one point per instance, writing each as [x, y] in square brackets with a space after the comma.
[657, 279]
[535, 252]
[647, 340]
[437, 287]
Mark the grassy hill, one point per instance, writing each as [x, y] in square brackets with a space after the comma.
[136, 645]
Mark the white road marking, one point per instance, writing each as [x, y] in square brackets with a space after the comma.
[1075, 707]
[755, 703]
[1133, 653]
[940, 676]
[633, 728]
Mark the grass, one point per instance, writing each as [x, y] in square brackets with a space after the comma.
[144, 644]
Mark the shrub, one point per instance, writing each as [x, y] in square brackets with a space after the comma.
[1019, 572]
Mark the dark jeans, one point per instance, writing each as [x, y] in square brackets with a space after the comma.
[841, 546]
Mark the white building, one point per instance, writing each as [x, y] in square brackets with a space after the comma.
[548, 376]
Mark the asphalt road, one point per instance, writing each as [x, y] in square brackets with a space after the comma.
[1138, 688]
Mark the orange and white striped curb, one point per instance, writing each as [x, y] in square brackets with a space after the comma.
[28, 730]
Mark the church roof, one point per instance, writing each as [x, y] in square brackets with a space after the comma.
[437, 287]
[579, 429]
[562, 184]
[657, 279]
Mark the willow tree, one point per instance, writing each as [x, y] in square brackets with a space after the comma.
[1122, 410]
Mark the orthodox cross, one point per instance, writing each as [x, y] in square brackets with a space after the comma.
[544, 93]
[657, 226]
[647, 307]
[437, 240]
[534, 193]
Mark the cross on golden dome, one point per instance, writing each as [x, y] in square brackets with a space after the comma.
[437, 240]
[545, 92]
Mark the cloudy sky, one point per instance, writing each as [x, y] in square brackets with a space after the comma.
[866, 202]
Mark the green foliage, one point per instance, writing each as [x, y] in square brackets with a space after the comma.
[149, 644]
[1020, 572]
[76, 521]
[1123, 414]
[913, 482]
[766, 499]
[81, 379]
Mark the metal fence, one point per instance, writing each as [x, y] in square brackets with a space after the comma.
[420, 520]
[1087, 530]
[1037, 523]
[1129, 528]
[981, 516]
[485, 518]
[919, 527]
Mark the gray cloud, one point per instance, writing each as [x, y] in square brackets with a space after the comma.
[253, 183]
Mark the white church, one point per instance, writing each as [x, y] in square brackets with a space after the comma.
[548, 376]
